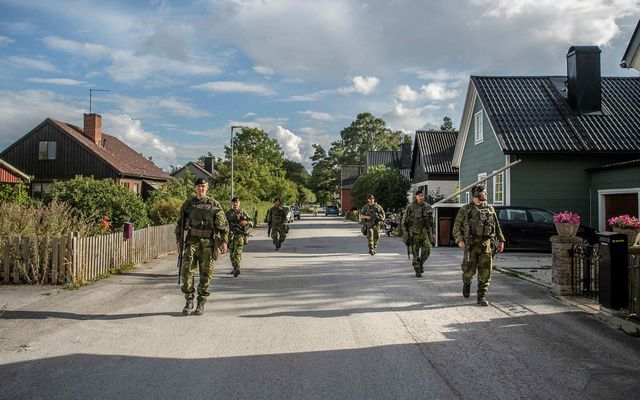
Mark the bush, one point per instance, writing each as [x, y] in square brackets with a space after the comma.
[14, 193]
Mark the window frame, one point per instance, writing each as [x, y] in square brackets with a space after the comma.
[49, 152]
[495, 190]
[478, 128]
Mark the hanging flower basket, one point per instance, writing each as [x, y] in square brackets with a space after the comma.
[567, 223]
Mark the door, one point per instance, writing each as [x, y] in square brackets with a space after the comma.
[620, 204]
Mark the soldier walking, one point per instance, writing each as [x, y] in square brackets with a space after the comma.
[204, 221]
[475, 226]
[418, 222]
[371, 215]
[239, 224]
[276, 217]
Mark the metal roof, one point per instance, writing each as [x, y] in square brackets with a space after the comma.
[436, 149]
[349, 174]
[532, 115]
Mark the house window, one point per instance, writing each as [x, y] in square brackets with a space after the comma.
[125, 185]
[498, 189]
[479, 136]
[135, 188]
[47, 151]
[40, 188]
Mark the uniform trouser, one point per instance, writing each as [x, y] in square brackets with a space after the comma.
[478, 259]
[278, 235]
[236, 245]
[373, 235]
[420, 248]
[198, 253]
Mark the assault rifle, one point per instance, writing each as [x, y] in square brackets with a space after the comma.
[375, 216]
[181, 241]
[237, 229]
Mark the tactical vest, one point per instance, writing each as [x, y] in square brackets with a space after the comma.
[421, 216]
[481, 222]
[201, 216]
[277, 216]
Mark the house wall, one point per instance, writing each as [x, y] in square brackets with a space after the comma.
[557, 183]
[8, 177]
[130, 184]
[198, 173]
[346, 204]
[71, 158]
[618, 180]
[484, 157]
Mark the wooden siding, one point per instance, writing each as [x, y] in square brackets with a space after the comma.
[8, 177]
[618, 178]
[71, 157]
[484, 157]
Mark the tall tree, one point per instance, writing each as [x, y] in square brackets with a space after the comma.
[322, 180]
[256, 142]
[296, 172]
[388, 185]
[368, 133]
[447, 124]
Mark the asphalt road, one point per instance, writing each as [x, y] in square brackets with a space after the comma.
[319, 319]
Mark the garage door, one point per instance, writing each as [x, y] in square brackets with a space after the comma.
[620, 204]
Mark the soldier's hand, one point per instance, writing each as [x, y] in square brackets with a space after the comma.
[501, 247]
[461, 244]
[223, 248]
[243, 222]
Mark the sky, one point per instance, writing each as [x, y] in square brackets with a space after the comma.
[179, 74]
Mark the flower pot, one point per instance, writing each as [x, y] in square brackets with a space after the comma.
[632, 234]
[565, 229]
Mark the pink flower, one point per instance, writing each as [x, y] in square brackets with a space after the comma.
[624, 222]
[566, 217]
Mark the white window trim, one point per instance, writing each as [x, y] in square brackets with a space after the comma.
[478, 129]
[495, 191]
[602, 223]
[467, 197]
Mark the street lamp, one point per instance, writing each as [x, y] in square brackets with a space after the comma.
[232, 128]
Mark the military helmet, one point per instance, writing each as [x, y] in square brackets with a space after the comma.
[476, 190]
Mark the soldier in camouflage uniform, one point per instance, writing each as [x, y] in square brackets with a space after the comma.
[276, 218]
[371, 215]
[239, 224]
[475, 226]
[207, 236]
[418, 222]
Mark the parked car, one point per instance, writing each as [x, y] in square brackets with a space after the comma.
[296, 212]
[528, 228]
[289, 213]
[330, 210]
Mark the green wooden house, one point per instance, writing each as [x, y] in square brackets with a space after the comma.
[577, 136]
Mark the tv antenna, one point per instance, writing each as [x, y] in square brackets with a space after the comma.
[94, 90]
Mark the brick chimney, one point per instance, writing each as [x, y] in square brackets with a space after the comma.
[93, 127]
[208, 164]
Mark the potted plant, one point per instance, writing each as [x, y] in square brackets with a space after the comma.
[627, 225]
[567, 223]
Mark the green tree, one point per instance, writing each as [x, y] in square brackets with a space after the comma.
[323, 178]
[256, 143]
[447, 124]
[367, 133]
[296, 172]
[388, 185]
[164, 204]
[95, 199]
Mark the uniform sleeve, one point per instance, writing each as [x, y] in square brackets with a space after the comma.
[499, 233]
[458, 234]
[406, 217]
[248, 218]
[432, 222]
[267, 218]
[222, 225]
[179, 224]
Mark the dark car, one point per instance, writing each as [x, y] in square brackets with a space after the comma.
[296, 212]
[528, 228]
[330, 210]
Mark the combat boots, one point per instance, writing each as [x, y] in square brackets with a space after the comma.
[188, 307]
[236, 272]
[199, 308]
[371, 251]
[482, 300]
[422, 268]
[466, 290]
[418, 272]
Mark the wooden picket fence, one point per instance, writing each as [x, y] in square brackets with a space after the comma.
[73, 259]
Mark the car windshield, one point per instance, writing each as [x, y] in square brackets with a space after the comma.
[541, 216]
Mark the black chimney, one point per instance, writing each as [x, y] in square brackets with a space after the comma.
[583, 79]
[208, 164]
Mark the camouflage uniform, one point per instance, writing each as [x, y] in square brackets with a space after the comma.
[207, 228]
[419, 223]
[237, 235]
[476, 225]
[372, 226]
[276, 218]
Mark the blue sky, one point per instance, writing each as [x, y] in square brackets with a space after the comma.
[180, 73]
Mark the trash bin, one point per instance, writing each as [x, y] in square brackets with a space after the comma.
[444, 233]
[614, 275]
[127, 230]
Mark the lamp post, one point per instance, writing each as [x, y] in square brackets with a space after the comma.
[232, 128]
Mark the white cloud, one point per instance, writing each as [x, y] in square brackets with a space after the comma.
[5, 41]
[130, 131]
[235, 87]
[57, 81]
[156, 107]
[289, 142]
[261, 69]
[249, 114]
[127, 65]
[320, 116]
[32, 63]
[405, 93]
[361, 84]
[20, 28]
[430, 92]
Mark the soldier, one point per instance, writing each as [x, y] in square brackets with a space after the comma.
[418, 222]
[371, 215]
[239, 224]
[276, 217]
[476, 225]
[207, 236]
